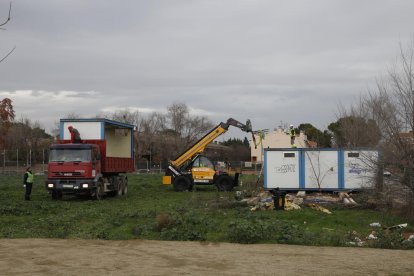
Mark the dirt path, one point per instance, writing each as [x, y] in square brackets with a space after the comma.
[96, 257]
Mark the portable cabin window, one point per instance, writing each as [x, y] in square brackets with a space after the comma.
[353, 154]
[289, 155]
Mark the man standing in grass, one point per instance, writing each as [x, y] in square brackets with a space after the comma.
[28, 183]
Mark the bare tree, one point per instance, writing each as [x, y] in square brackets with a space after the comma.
[315, 164]
[177, 114]
[124, 116]
[152, 138]
[185, 128]
[391, 105]
[1, 28]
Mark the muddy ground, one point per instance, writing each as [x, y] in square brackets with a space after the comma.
[137, 257]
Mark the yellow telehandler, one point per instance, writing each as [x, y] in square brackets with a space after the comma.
[192, 168]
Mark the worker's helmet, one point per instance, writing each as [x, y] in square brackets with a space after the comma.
[291, 126]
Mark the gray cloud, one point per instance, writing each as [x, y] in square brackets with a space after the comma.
[265, 60]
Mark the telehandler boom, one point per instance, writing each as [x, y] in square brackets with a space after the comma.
[191, 167]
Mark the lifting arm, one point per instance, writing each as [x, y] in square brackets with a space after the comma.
[199, 146]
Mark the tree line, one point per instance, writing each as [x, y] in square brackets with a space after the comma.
[159, 136]
[162, 136]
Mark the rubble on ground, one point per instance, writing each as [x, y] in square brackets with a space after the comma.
[295, 201]
[375, 224]
[264, 200]
[319, 208]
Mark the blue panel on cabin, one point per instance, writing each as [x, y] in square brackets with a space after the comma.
[302, 169]
[62, 131]
[102, 130]
[264, 170]
[341, 169]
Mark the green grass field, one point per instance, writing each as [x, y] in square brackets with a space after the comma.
[154, 211]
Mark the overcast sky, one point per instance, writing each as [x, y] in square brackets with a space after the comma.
[270, 61]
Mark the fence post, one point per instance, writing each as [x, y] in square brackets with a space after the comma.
[17, 154]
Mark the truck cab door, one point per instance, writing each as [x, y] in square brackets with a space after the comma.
[96, 161]
[202, 170]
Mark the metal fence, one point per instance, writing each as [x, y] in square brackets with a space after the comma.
[19, 159]
[153, 167]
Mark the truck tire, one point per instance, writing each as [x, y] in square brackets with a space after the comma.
[125, 186]
[182, 183]
[224, 183]
[120, 186]
[116, 184]
[99, 191]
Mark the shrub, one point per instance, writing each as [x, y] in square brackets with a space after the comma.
[163, 220]
[244, 231]
[188, 226]
[137, 231]
[389, 239]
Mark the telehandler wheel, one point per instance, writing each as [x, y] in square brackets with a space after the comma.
[224, 183]
[182, 183]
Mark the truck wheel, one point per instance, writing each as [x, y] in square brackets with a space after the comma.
[125, 186]
[181, 184]
[120, 186]
[99, 191]
[224, 183]
[116, 183]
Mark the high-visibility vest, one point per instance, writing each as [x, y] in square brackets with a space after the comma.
[292, 132]
[29, 177]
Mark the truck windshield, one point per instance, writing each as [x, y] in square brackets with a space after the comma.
[70, 155]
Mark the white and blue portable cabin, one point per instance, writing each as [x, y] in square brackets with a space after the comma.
[119, 136]
[294, 169]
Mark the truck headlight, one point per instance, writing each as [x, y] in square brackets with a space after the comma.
[50, 185]
[85, 185]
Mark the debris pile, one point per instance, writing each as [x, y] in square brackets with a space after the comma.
[380, 233]
[319, 208]
[266, 200]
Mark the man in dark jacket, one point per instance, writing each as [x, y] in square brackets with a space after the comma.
[74, 135]
[28, 180]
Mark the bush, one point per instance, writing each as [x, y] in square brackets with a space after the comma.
[163, 221]
[244, 231]
[255, 230]
[389, 239]
[187, 227]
